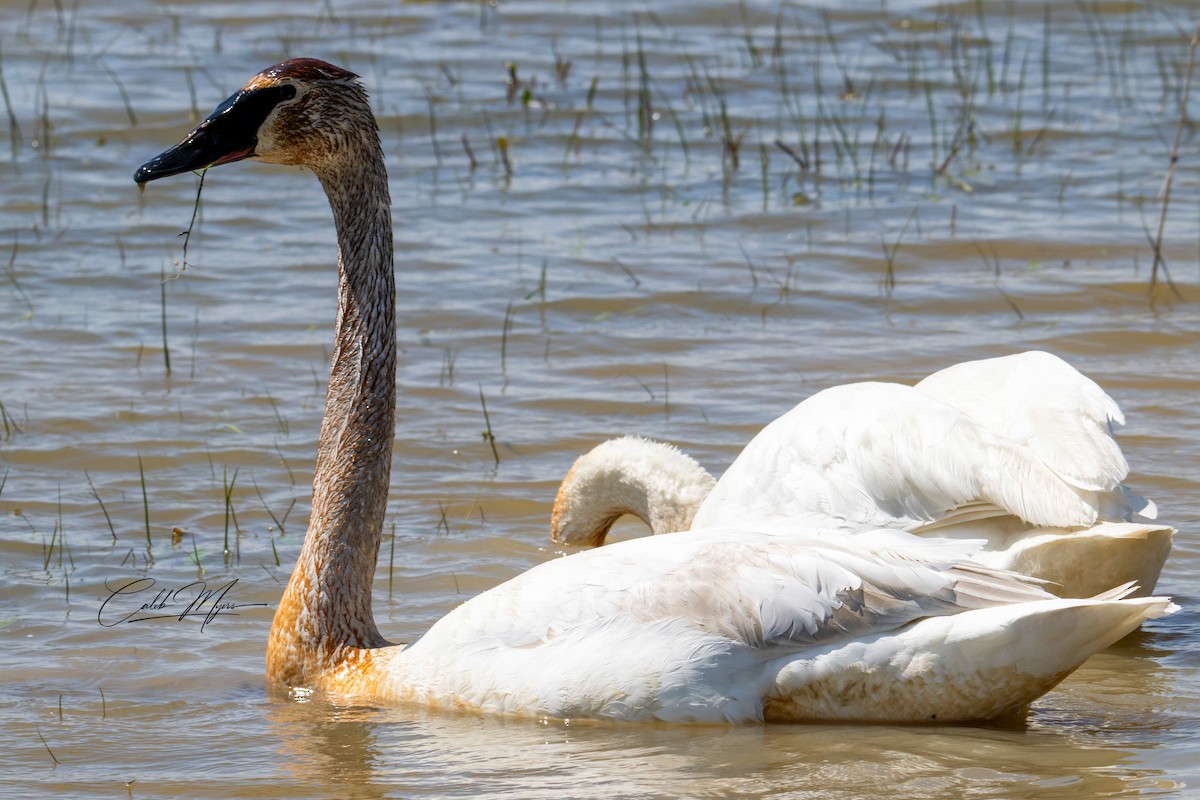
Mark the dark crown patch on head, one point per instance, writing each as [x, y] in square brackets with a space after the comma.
[307, 69]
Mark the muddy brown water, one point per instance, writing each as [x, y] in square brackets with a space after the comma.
[648, 260]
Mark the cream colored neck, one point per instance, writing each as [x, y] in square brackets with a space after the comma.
[653, 481]
[325, 612]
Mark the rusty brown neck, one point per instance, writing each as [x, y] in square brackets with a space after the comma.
[325, 613]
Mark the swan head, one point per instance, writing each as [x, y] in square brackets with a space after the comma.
[303, 112]
[656, 482]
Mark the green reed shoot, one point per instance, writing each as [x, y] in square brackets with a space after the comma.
[889, 255]
[504, 329]
[1019, 117]
[466, 143]
[145, 500]
[229, 512]
[14, 129]
[278, 521]
[679, 131]
[431, 100]
[12, 274]
[280, 423]
[730, 143]
[53, 757]
[42, 140]
[162, 303]
[645, 106]
[539, 291]
[191, 84]
[764, 163]
[121, 90]
[46, 200]
[11, 426]
[274, 549]
[502, 148]
[750, 265]
[449, 357]
[283, 460]
[573, 140]
[1011, 303]
[62, 543]
[488, 436]
[48, 552]
[848, 90]
[933, 128]
[983, 36]
[628, 272]
[195, 556]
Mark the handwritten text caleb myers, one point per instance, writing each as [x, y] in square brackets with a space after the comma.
[193, 600]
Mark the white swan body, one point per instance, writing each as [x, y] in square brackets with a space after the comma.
[1015, 451]
[717, 625]
[733, 626]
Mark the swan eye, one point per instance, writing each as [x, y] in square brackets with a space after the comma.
[286, 92]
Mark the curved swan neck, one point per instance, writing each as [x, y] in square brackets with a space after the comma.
[325, 613]
[657, 483]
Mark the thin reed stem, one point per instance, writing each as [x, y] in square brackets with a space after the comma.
[1159, 261]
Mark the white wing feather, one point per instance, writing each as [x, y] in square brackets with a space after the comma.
[701, 626]
[1039, 401]
[881, 454]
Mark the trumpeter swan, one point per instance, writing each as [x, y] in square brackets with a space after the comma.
[720, 625]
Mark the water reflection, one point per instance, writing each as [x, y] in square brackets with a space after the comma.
[393, 751]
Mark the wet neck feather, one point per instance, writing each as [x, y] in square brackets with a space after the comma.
[324, 618]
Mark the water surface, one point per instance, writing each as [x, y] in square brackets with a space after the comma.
[675, 220]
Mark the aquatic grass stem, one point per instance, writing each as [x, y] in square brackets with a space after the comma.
[11, 426]
[48, 552]
[1170, 179]
[162, 300]
[504, 329]
[53, 757]
[488, 436]
[103, 510]
[62, 544]
[187, 235]
[889, 254]
[14, 129]
[228, 484]
[431, 101]
[120, 89]
[145, 500]
[196, 556]
[12, 274]
[278, 522]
